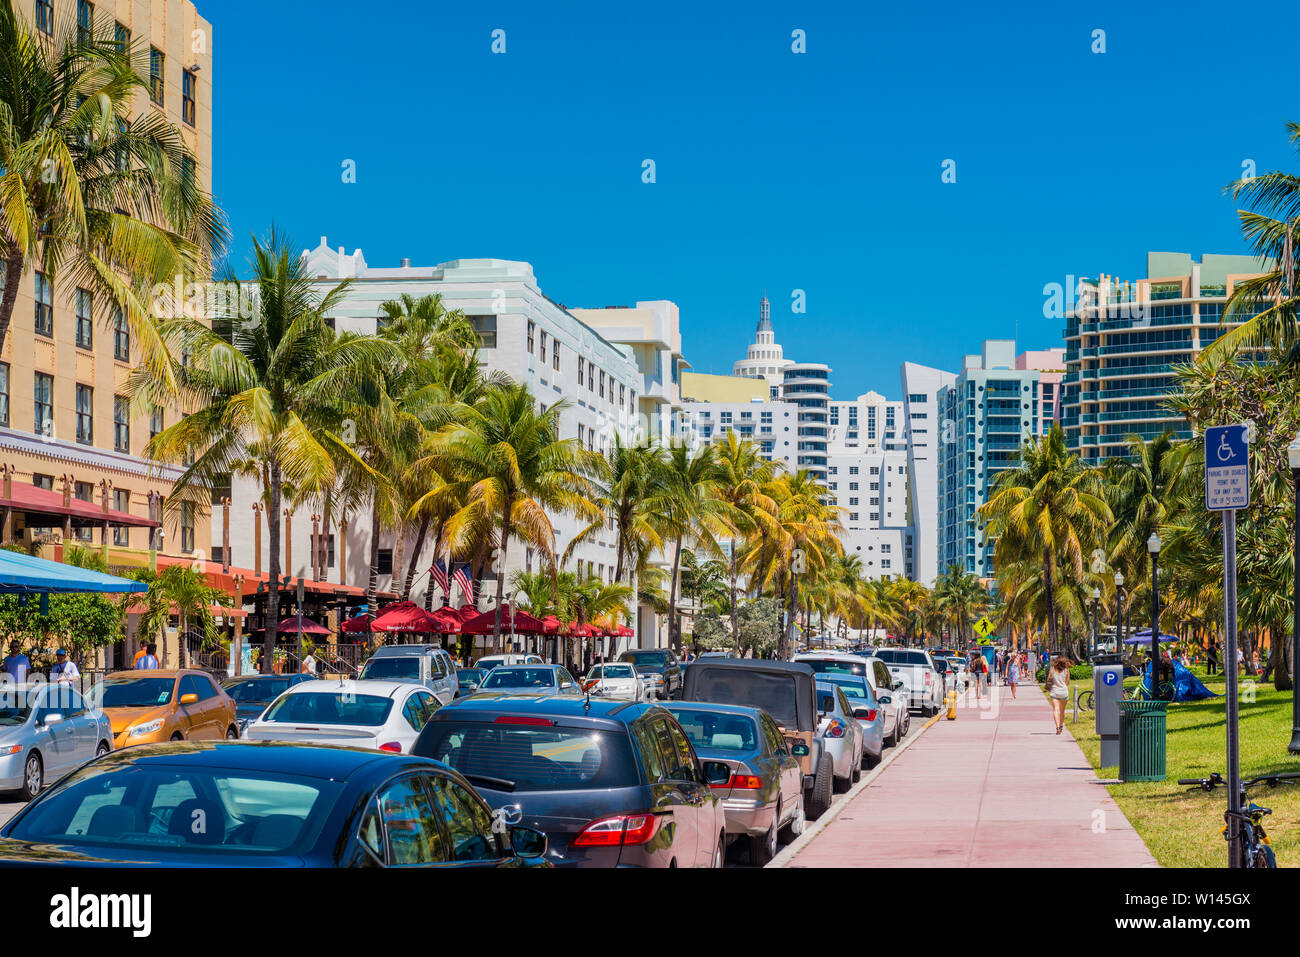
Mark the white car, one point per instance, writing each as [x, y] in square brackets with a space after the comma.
[488, 662]
[615, 679]
[369, 713]
[45, 731]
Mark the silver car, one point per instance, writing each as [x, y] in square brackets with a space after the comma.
[763, 800]
[892, 695]
[46, 730]
[840, 733]
[529, 679]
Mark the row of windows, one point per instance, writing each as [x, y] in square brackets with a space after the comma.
[85, 315]
[43, 411]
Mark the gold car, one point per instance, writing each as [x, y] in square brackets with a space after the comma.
[148, 707]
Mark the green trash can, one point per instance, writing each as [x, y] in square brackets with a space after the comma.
[1142, 740]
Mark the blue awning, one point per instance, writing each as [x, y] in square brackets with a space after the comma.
[21, 573]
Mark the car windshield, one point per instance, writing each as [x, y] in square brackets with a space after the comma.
[851, 689]
[898, 656]
[208, 810]
[514, 677]
[529, 757]
[470, 676]
[396, 667]
[15, 708]
[131, 693]
[655, 661]
[323, 707]
[834, 666]
[615, 671]
[256, 690]
[713, 729]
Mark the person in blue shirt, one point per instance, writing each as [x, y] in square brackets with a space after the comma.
[16, 663]
[149, 660]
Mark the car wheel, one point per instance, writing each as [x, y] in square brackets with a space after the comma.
[820, 799]
[873, 760]
[794, 827]
[33, 777]
[891, 739]
[856, 776]
[763, 848]
[720, 852]
[232, 733]
[102, 749]
[178, 736]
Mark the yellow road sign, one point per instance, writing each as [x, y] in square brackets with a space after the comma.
[984, 627]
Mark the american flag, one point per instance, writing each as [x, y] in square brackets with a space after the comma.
[461, 574]
[439, 573]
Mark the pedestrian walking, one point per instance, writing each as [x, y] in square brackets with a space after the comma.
[64, 670]
[1058, 690]
[149, 660]
[16, 664]
[980, 674]
[1013, 674]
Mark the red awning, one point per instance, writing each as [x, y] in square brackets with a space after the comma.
[523, 623]
[404, 616]
[552, 625]
[41, 501]
[449, 623]
[467, 612]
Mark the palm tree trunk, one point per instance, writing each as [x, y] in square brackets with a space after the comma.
[674, 639]
[501, 568]
[1050, 596]
[437, 549]
[416, 548]
[372, 584]
[183, 621]
[273, 519]
[13, 260]
[735, 623]
[792, 607]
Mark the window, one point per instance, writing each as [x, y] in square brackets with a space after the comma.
[486, 327]
[43, 394]
[555, 354]
[469, 825]
[853, 470]
[44, 295]
[155, 422]
[853, 486]
[45, 16]
[542, 352]
[385, 561]
[4, 393]
[121, 424]
[85, 20]
[121, 503]
[157, 65]
[622, 394]
[121, 37]
[85, 321]
[582, 365]
[85, 415]
[602, 384]
[43, 481]
[531, 335]
[591, 377]
[189, 88]
[414, 836]
[121, 336]
[83, 492]
[187, 529]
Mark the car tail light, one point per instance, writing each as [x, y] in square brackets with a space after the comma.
[835, 730]
[391, 746]
[521, 719]
[744, 782]
[617, 830]
[928, 676]
[871, 715]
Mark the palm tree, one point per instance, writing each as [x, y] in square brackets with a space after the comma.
[1049, 505]
[507, 462]
[180, 591]
[1150, 490]
[623, 498]
[960, 596]
[265, 390]
[114, 204]
[744, 475]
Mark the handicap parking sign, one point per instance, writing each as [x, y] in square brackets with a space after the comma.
[1227, 467]
[1109, 678]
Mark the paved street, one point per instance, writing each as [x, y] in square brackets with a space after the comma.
[995, 788]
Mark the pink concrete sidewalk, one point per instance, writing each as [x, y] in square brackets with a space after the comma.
[995, 788]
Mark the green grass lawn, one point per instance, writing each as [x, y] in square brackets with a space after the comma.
[1181, 827]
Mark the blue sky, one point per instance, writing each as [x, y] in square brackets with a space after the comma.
[775, 171]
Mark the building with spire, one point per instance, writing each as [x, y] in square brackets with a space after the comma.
[764, 359]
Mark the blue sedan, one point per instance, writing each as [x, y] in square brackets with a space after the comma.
[208, 804]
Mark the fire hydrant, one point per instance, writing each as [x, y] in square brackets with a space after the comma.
[951, 699]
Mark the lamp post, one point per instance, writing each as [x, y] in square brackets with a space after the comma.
[1119, 613]
[1096, 598]
[1153, 546]
[1293, 459]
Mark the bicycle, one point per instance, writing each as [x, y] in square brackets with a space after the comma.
[1255, 848]
[1141, 692]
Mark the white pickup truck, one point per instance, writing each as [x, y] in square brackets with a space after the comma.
[923, 685]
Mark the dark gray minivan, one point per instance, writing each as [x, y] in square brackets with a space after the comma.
[611, 783]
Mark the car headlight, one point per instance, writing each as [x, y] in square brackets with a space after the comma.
[148, 727]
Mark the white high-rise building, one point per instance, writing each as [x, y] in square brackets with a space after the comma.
[921, 385]
[765, 358]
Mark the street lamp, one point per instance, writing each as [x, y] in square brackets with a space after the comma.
[1096, 598]
[1153, 546]
[1119, 613]
[1293, 459]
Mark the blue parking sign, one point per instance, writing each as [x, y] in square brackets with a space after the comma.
[1227, 467]
[1108, 677]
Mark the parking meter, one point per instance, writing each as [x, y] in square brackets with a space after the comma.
[1107, 692]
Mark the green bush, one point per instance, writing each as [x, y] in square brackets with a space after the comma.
[1077, 673]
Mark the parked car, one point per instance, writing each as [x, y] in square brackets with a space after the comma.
[368, 713]
[659, 667]
[263, 805]
[891, 694]
[867, 711]
[832, 662]
[763, 799]
[530, 679]
[45, 731]
[914, 666]
[615, 679]
[713, 654]
[787, 691]
[429, 665]
[488, 662]
[252, 693]
[610, 783]
[146, 707]
[840, 730]
[468, 680]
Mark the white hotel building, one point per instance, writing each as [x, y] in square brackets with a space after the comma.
[525, 334]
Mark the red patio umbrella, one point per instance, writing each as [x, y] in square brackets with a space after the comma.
[402, 617]
[448, 622]
[309, 627]
[524, 623]
[580, 631]
[552, 625]
[467, 612]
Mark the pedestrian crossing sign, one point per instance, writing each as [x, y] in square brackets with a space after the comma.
[984, 627]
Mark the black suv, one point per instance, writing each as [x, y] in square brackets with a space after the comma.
[662, 670]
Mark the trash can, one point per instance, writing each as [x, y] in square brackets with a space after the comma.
[1142, 740]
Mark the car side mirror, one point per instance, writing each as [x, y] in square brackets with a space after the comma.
[189, 698]
[897, 685]
[53, 717]
[885, 699]
[800, 750]
[528, 843]
[566, 684]
[716, 773]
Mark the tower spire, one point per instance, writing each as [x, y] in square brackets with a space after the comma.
[764, 315]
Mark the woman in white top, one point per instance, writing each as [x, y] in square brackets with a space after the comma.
[1058, 690]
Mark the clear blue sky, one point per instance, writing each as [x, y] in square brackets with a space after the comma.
[775, 171]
